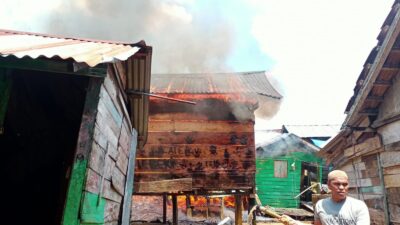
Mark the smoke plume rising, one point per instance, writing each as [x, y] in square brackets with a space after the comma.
[184, 41]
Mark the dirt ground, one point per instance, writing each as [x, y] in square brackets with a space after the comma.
[147, 210]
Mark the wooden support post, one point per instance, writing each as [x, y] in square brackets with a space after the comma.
[252, 203]
[208, 207]
[238, 209]
[188, 207]
[174, 210]
[385, 201]
[221, 212]
[164, 208]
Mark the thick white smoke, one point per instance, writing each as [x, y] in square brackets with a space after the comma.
[183, 42]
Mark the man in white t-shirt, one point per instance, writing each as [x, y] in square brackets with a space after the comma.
[340, 209]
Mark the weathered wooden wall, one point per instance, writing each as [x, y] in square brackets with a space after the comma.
[108, 160]
[218, 154]
[390, 161]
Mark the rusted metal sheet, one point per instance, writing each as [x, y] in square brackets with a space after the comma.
[247, 82]
[90, 52]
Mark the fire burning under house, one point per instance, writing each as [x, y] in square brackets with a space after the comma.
[367, 147]
[69, 131]
[206, 148]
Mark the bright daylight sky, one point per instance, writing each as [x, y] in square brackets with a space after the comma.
[313, 49]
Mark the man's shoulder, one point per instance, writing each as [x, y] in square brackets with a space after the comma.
[357, 202]
[354, 200]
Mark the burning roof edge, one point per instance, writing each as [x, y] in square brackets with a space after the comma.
[255, 82]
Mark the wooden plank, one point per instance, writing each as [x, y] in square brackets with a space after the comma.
[367, 146]
[105, 120]
[92, 211]
[174, 210]
[118, 181]
[215, 181]
[111, 211]
[392, 180]
[390, 132]
[127, 202]
[395, 146]
[110, 165]
[84, 145]
[193, 137]
[96, 159]
[201, 126]
[377, 216]
[394, 211]
[110, 193]
[238, 210]
[92, 184]
[112, 105]
[393, 195]
[164, 186]
[391, 170]
[390, 158]
[124, 140]
[122, 162]
[196, 151]
[192, 165]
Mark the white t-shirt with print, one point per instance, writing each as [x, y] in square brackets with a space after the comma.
[351, 211]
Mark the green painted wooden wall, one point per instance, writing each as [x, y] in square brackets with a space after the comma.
[279, 192]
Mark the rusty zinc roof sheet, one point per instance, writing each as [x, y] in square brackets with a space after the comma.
[91, 52]
[214, 83]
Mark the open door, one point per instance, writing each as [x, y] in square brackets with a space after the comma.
[40, 130]
[309, 176]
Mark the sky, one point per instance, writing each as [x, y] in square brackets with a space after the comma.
[312, 50]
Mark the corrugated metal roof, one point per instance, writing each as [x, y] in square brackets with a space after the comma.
[91, 52]
[282, 145]
[214, 83]
[308, 131]
[380, 67]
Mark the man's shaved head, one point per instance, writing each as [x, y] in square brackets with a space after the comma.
[337, 173]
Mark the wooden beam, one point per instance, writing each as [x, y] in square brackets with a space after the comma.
[53, 66]
[174, 210]
[188, 207]
[383, 83]
[126, 208]
[390, 69]
[164, 208]
[81, 157]
[369, 112]
[164, 186]
[375, 98]
[238, 210]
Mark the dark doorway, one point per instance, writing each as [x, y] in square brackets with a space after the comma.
[309, 176]
[40, 133]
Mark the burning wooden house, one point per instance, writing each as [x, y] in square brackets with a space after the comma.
[209, 143]
[367, 147]
[68, 129]
[286, 166]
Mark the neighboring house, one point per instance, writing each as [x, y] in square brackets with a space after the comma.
[368, 147]
[68, 129]
[210, 142]
[314, 134]
[286, 165]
